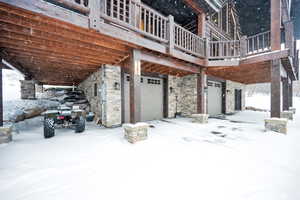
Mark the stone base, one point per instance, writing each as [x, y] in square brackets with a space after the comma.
[287, 114]
[200, 118]
[5, 134]
[293, 110]
[276, 124]
[136, 132]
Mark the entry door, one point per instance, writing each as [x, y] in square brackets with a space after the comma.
[151, 98]
[214, 98]
[238, 99]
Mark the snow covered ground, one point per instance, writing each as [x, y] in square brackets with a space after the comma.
[180, 160]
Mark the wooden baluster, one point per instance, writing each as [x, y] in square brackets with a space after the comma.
[112, 8]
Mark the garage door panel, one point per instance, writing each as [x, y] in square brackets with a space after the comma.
[214, 98]
[151, 98]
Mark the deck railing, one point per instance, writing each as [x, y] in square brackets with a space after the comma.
[224, 49]
[138, 17]
[259, 43]
[188, 41]
[81, 6]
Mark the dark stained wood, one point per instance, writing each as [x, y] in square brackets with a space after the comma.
[168, 62]
[123, 94]
[135, 86]
[275, 25]
[265, 57]
[291, 94]
[166, 97]
[1, 96]
[275, 89]
[201, 24]
[201, 99]
[195, 6]
[285, 94]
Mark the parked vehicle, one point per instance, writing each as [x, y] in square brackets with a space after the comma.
[63, 117]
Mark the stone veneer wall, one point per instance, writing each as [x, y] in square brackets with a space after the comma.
[27, 89]
[107, 104]
[88, 87]
[112, 107]
[230, 95]
[185, 88]
[189, 95]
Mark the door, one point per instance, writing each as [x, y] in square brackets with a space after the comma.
[214, 98]
[238, 99]
[151, 98]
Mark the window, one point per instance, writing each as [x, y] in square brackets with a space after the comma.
[153, 81]
[95, 89]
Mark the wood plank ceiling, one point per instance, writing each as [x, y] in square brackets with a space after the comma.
[55, 52]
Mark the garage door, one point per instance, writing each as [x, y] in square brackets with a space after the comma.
[214, 98]
[151, 98]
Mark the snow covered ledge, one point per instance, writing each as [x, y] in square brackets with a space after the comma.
[136, 132]
[5, 134]
[287, 114]
[276, 124]
[200, 118]
[292, 109]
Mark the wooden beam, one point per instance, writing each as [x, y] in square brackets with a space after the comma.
[275, 89]
[135, 86]
[201, 25]
[275, 25]
[285, 93]
[195, 6]
[265, 57]
[169, 62]
[290, 88]
[1, 96]
[201, 95]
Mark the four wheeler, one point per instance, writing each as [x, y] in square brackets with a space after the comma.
[63, 117]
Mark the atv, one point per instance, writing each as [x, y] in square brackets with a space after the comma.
[63, 117]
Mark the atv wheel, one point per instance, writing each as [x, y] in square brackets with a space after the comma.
[49, 129]
[80, 125]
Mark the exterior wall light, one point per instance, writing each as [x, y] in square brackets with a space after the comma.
[205, 89]
[117, 86]
[171, 90]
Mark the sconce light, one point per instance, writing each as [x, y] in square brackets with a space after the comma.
[117, 86]
[228, 91]
[205, 89]
[171, 90]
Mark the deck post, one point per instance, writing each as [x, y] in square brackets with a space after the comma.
[1, 95]
[290, 87]
[243, 46]
[201, 96]
[96, 7]
[135, 86]
[275, 89]
[171, 34]
[289, 37]
[275, 25]
[201, 25]
[285, 93]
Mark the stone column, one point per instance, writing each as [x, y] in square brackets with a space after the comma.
[27, 89]
[275, 88]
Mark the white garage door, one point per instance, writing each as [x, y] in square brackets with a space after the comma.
[151, 98]
[214, 98]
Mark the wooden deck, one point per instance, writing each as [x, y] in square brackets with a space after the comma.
[63, 41]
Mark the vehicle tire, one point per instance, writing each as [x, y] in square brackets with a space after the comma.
[49, 129]
[80, 125]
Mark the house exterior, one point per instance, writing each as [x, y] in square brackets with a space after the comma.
[139, 63]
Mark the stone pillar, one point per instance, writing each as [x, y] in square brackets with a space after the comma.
[285, 94]
[135, 86]
[275, 88]
[112, 104]
[27, 89]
